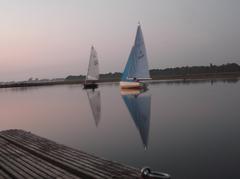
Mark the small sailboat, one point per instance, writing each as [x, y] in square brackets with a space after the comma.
[136, 68]
[94, 98]
[93, 71]
[139, 106]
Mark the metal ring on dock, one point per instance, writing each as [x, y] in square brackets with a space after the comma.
[146, 173]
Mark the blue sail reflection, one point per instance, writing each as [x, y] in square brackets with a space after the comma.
[139, 106]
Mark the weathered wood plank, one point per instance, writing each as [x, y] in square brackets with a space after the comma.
[67, 159]
[75, 154]
[58, 161]
[32, 163]
[11, 169]
[4, 175]
[21, 164]
[103, 165]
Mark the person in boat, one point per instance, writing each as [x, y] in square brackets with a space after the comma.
[135, 79]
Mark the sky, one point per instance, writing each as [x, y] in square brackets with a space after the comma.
[52, 38]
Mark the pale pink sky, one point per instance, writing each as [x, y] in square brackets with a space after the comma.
[52, 38]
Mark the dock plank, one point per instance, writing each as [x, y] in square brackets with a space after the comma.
[103, 165]
[30, 150]
[32, 163]
[21, 164]
[4, 175]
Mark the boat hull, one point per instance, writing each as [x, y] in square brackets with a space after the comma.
[90, 85]
[132, 85]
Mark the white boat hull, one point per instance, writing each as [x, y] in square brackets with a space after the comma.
[132, 85]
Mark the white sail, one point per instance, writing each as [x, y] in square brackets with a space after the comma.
[95, 103]
[93, 67]
[137, 65]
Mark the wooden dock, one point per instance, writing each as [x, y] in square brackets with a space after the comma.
[25, 155]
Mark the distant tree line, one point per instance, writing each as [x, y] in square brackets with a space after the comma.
[177, 71]
[106, 76]
[229, 67]
[71, 77]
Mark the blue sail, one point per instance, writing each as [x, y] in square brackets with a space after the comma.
[137, 65]
[139, 107]
[128, 66]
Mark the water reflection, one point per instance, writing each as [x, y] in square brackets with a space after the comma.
[139, 106]
[193, 81]
[94, 98]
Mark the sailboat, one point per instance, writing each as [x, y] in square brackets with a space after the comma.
[94, 98]
[93, 71]
[139, 107]
[136, 68]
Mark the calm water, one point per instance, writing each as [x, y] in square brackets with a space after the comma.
[190, 130]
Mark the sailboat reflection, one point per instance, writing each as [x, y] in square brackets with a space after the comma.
[95, 103]
[139, 106]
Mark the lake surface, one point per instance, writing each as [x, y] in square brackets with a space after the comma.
[189, 130]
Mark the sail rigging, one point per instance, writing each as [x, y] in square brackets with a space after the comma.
[93, 67]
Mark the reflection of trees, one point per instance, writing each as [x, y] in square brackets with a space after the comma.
[192, 81]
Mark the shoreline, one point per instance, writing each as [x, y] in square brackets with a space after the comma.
[234, 76]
